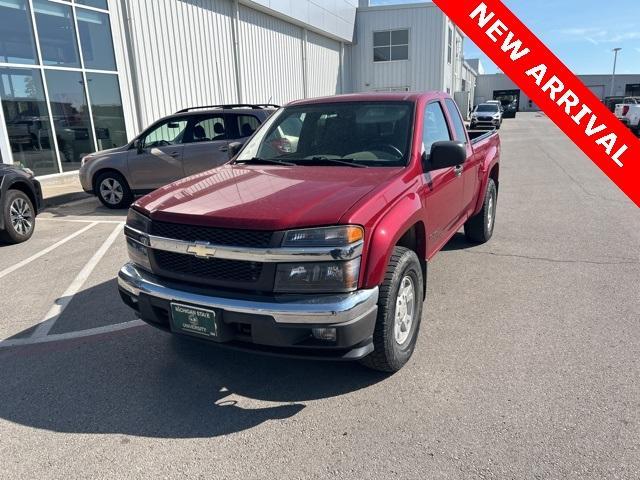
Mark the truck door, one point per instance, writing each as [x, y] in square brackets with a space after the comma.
[471, 168]
[442, 190]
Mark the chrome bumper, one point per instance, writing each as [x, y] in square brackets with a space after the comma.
[286, 309]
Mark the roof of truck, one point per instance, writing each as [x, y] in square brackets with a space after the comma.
[372, 97]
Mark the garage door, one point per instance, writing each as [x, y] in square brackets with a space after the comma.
[598, 90]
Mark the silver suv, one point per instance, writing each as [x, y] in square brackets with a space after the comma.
[190, 141]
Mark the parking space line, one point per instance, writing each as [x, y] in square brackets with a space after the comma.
[76, 220]
[56, 310]
[71, 335]
[26, 261]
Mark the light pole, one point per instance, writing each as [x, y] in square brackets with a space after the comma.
[613, 77]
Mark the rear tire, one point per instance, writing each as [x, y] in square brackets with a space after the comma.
[399, 313]
[19, 217]
[479, 228]
[113, 191]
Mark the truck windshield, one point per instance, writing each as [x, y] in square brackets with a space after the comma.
[373, 134]
[489, 107]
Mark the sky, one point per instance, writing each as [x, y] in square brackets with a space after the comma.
[582, 33]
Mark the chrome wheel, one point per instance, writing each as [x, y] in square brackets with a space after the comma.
[490, 212]
[405, 308]
[21, 216]
[111, 191]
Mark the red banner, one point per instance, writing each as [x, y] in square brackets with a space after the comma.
[553, 87]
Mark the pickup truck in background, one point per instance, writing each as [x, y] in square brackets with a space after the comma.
[628, 113]
[320, 249]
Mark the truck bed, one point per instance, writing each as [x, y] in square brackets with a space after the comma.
[477, 136]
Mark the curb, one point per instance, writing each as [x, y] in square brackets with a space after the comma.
[58, 200]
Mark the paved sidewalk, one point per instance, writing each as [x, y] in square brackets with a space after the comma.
[63, 189]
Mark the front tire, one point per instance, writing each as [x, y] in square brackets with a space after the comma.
[113, 190]
[479, 228]
[19, 217]
[399, 313]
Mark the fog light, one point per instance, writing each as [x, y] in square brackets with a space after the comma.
[326, 334]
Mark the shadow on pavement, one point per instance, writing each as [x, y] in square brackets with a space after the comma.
[458, 242]
[145, 382]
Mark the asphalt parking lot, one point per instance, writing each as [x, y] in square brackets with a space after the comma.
[527, 364]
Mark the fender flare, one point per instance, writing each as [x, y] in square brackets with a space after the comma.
[393, 225]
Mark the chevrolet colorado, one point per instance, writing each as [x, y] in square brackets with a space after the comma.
[319, 249]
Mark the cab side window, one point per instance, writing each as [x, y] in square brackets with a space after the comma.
[456, 120]
[167, 133]
[435, 127]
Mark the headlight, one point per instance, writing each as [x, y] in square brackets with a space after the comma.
[339, 236]
[137, 243]
[317, 277]
[329, 276]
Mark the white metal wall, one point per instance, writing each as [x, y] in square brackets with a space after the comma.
[323, 71]
[270, 58]
[182, 54]
[425, 68]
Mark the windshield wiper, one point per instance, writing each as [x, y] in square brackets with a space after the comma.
[266, 160]
[345, 161]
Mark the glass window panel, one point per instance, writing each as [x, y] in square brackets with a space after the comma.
[381, 54]
[16, 34]
[400, 37]
[454, 114]
[94, 3]
[170, 132]
[247, 124]
[106, 107]
[70, 117]
[56, 32]
[435, 127]
[381, 39]
[27, 120]
[207, 129]
[95, 40]
[400, 53]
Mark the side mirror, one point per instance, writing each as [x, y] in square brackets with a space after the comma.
[138, 144]
[446, 155]
[234, 148]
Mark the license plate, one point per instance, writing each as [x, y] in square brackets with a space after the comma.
[194, 321]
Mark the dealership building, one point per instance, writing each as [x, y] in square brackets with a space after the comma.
[500, 87]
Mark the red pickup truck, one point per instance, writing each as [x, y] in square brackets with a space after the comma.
[314, 240]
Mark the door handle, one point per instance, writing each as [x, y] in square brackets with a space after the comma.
[458, 170]
[174, 154]
[224, 148]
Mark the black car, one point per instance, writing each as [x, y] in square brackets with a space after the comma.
[20, 202]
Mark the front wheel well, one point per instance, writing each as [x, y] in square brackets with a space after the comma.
[414, 239]
[24, 188]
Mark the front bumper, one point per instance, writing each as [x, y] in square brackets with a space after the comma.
[85, 179]
[279, 324]
[485, 123]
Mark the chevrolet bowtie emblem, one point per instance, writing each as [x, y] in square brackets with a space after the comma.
[202, 249]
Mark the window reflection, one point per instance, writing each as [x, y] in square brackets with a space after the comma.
[106, 107]
[27, 120]
[56, 32]
[70, 117]
[16, 34]
[95, 40]
[94, 3]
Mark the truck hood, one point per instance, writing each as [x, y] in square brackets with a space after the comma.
[263, 197]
